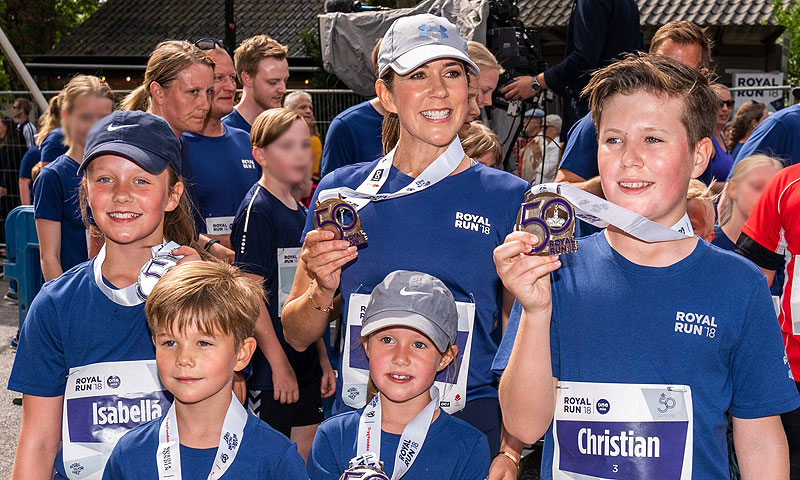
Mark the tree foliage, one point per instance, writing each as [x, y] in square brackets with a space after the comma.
[787, 14]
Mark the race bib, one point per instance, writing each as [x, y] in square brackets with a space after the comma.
[617, 431]
[219, 225]
[355, 366]
[288, 259]
[102, 402]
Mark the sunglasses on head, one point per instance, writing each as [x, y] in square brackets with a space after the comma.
[209, 44]
[727, 103]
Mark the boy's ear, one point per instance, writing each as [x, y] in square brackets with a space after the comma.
[385, 96]
[448, 357]
[701, 156]
[174, 197]
[246, 350]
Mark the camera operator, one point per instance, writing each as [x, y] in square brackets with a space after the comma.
[599, 31]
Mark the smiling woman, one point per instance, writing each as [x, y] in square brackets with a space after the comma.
[415, 200]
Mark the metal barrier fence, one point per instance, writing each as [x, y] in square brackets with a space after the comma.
[327, 104]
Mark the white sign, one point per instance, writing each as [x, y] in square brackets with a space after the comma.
[758, 80]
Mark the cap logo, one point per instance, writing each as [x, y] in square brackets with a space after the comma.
[405, 292]
[112, 128]
[432, 31]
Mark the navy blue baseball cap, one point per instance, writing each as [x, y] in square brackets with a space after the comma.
[143, 138]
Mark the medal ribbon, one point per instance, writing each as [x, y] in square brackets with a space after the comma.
[444, 165]
[602, 213]
[168, 455]
[126, 297]
[369, 433]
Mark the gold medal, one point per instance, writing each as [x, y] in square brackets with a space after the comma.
[552, 219]
[341, 218]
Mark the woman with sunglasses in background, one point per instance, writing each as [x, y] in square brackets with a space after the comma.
[722, 161]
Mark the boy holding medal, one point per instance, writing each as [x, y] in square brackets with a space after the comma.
[629, 364]
[202, 319]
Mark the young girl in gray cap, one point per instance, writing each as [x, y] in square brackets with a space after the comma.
[409, 335]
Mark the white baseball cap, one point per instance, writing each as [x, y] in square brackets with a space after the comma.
[415, 40]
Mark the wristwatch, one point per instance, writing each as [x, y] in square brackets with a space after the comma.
[535, 86]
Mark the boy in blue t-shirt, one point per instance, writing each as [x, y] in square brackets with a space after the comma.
[201, 317]
[630, 365]
[287, 386]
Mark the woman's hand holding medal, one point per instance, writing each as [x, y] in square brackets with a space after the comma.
[527, 277]
[324, 256]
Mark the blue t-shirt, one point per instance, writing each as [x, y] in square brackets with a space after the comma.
[236, 120]
[263, 454]
[617, 322]
[722, 161]
[29, 160]
[449, 231]
[224, 170]
[271, 225]
[777, 136]
[354, 136]
[53, 146]
[71, 323]
[453, 449]
[55, 197]
[722, 241]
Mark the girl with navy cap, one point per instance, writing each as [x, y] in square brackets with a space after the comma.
[425, 206]
[85, 362]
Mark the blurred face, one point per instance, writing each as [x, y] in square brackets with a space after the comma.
[431, 102]
[533, 126]
[288, 158]
[224, 83]
[269, 82]
[197, 367]
[304, 107]
[185, 103]
[128, 203]
[86, 111]
[472, 108]
[17, 111]
[487, 82]
[725, 107]
[403, 363]
[746, 192]
[689, 54]
[643, 157]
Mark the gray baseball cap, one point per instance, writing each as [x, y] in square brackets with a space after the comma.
[416, 300]
[415, 40]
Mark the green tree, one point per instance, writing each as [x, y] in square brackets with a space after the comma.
[36, 26]
[787, 14]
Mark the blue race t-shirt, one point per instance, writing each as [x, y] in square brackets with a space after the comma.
[453, 449]
[263, 454]
[55, 198]
[448, 230]
[617, 322]
[236, 120]
[354, 136]
[29, 160]
[777, 136]
[71, 323]
[224, 170]
[271, 225]
[53, 146]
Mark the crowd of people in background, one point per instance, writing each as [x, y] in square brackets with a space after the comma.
[186, 167]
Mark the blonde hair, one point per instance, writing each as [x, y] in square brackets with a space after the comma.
[482, 57]
[168, 60]
[271, 124]
[80, 86]
[739, 172]
[50, 119]
[247, 56]
[482, 140]
[214, 297]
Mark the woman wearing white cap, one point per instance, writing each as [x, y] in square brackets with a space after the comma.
[425, 206]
